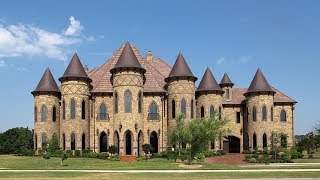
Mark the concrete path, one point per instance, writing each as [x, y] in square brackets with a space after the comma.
[168, 171]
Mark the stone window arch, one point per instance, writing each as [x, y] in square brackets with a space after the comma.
[183, 107]
[139, 102]
[103, 115]
[72, 109]
[63, 109]
[44, 113]
[127, 101]
[254, 114]
[202, 112]
[73, 141]
[264, 113]
[83, 109]
[54, 114]
[35, 114]
[173, 109]
[211, 111]
[192, 108]
[116, 100]
[153, 111]
[283, 115]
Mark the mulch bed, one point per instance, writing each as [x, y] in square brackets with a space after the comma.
[229, 159]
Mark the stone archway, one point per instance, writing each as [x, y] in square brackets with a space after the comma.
[234, 144]
[103, 144]
[140, 143]
[154, 142]
[128, 142]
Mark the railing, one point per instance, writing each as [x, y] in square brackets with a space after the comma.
[103, 116]
[153, 116]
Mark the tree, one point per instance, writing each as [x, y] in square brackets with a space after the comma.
[146, 149]
[309, 142]
[53, 144]
[113, 149]
[276, 142]
[64, 157]
[197, 133]
[14, 140]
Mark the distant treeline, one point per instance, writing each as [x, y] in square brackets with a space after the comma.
[16, 140]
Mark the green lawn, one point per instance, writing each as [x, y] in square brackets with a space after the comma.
[306, 160]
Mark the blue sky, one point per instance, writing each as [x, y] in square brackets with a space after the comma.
[280, 37]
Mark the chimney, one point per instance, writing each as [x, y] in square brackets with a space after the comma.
[149, 55]
[86, 69]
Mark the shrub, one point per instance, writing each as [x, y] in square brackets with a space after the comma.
[222, 152]
[69, 152]
[165, 154]
[174, 155]
[113, 149]
[265, 151]
[200, 157]
[103, 155]
[86, 151]
[77, 153]
[310, 156]
[57, 153]
[26, 152]
[296, 154]
[252, 160]
[256, 156]
[248, 156]
[114, 158]
[246, 152]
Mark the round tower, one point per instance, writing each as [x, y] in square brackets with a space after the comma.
[75, 93]
[181, 91]
[226, 86]
[128, 80]
[46, 110]
[259, 97]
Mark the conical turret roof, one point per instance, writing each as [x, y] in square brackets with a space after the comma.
[181, 69]
[259, 84]
[208, 83]
[226, 80]
[75, 69]
[127, 58]
[47, 83]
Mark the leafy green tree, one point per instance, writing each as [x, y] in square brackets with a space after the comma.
[64, 157]
[146, 149]
[309, 142]
[53, 144]
[113, 149]
[15, 140]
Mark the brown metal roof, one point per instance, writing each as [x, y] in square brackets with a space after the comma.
[181, 69]
[127, 58]
[259, 84]
[47, 83]
[208, 83]
[75, 69]
[225, 81]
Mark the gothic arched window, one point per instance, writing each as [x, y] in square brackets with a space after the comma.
[183, 107]
[139, 102]
[191, 109]
[103, 112]
[283, 115]
[254, 114]
[72, 109]
[63, 110]
[254, 140]
[264, 113]
[44, 113]
[202, 112]
[128, 101]
[116, 99]
[73, 142]
[54, 114]
[83, 110]
[173, 112]
[153, 111]
[264, 140]
[211, 111]
[43, 140]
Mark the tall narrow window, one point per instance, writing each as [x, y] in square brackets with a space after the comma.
[91, 109]
[227, 94]
[202, 112]
[139, 102]
[254, 114]
[173, 110]
[153, 111]
[264, 140]
[238, 117]
[54, 114]
[63, 110]
[211, 111]
[103, 112]
[35, 142]
[44, 113]
[283, 115]
[264, 113]
[72, 109]
[83, 142]
[43, 141]
[35, 113]
[220, 113]
[183, 107]
[191, 105]
[83, 110]
[64, 141]
[73, 142]
[284, 142]
[128, 99]
[116, 99]
[212, 145]
[254, 141]
[271, 114]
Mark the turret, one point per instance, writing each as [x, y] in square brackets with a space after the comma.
[226, 85]
[181, 91]
[127, 81]
[75, 92]
[259, 98]
[209, 96]
[46, 110]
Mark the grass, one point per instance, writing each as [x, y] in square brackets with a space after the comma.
[306, 160]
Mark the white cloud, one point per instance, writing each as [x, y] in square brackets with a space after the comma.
[231, 61]
[2, 63]
[27, 40]
[221, 60]
[244, 59]
[74, 28]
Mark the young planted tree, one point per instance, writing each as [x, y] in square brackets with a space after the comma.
[53, 144]
[64, 157]
[276, 142]
[146, 149]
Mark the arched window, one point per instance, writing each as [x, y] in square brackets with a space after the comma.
[35, 142]
[173, 109]
[63, 110]
[127, 101]
[73, 142]
[64, 141]
[227, 94]
[139, 102]
[191, 105]
[283, 115]
[43, 141]
[211, 111]
[54, 114]
[35, 114]
[264, 140]
[44, 113]
[254, 140]
[264, 113]
[254, 114]
[202, 112]
[271, 114]
[116, 99]
[220, 113]
[103, 112]
[72, 109]
[183, 107]
[83, 110]
[153, 111]
[83, 142]
[284, 141]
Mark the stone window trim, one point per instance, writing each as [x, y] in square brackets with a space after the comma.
[283, 116]
[73, 107]
[103, 112]
[44, 113]
[128, 101]
[153, 114]
[264, 113]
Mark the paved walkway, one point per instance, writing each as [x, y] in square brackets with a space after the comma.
[168, 171]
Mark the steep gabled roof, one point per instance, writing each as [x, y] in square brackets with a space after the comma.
[47, 83]
[225, 81]
[74, 69]
[127, 58]
[259, 84]
[181, 69]
[208, 83]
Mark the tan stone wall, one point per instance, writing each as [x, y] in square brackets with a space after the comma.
[236, 129]
[49, 127]
[225, 94]
[208, 100]
[284, 127]
[79, 91]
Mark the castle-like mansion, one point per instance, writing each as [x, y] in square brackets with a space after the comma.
[133, 100]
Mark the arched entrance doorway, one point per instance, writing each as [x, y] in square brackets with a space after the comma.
[140, 143]
[116, 140]
[103, 142]
[154, 142]
[128, 136]
[234, 144]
